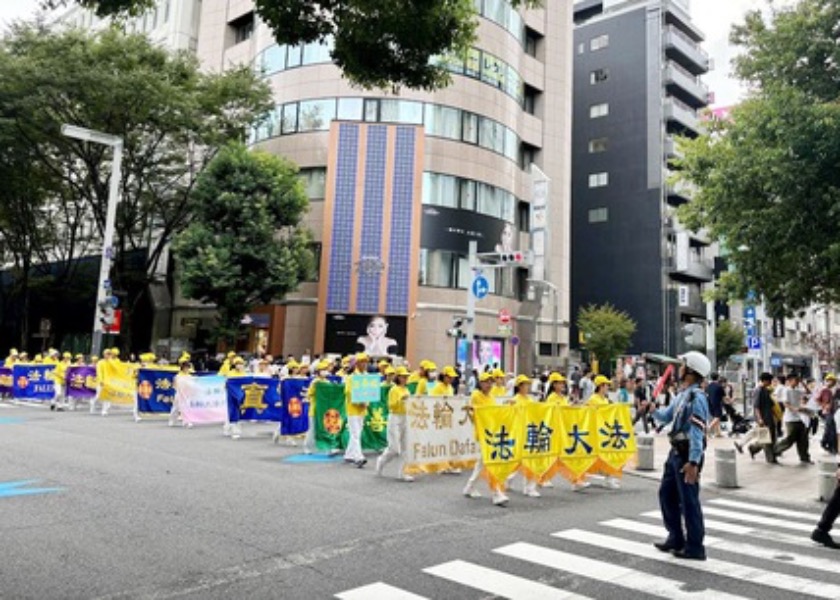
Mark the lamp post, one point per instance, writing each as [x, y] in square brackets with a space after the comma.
[103, 290]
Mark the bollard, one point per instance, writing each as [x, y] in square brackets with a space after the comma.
[644, 453]
[827, 479]
[726, 468]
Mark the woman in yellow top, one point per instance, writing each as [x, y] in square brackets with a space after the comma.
[521, 399]
[498, 390]
[322, 369]
[599, 396]
[355, 415]
[389, 374]
[396, 425]
[424, 373]
[444, 385]
[557, 387]
[59, 400]
[481, 396]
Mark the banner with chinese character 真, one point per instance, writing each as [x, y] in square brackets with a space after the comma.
[254, 399]
[33, 382]
[330, 415]
[375, 432]
[202, 400]
[81, 382]
[155, 390]
[501, 432]
[616, 441]
[6, 381]
[118, 382]
[578, 440]
[295, 409]
[541, 448]
[439, 434]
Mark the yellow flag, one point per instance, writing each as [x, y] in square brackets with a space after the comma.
[540, 449]
[117, 382]
[500, 432]
[616, 440]
[578, 441]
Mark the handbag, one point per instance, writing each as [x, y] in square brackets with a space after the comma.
[763, 437]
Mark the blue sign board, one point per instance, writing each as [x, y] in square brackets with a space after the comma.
[480, 287]
[753, 342]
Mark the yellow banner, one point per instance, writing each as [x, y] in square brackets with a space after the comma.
[578, 441]
[501, 432]
[118, 382]
[616, 442]
[541, 448]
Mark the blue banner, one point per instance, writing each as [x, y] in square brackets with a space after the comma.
[295, 409]
[33, 382]
[254, 399]
[155, 390]
[81, 382]
[6, 384]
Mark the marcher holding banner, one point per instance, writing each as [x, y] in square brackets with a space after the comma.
[177, 402]
[321, 370]
[479, 398]
[557, 395]
[522, 399]
[356, 412]
[396, 425]
[60, 400]
[443, 387]
[600, 398]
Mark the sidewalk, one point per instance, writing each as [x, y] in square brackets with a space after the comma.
[789, 482]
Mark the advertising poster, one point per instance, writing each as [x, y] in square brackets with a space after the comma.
[376, 335]
[486, 352]
[453, 229]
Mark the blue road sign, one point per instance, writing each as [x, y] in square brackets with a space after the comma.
[514, 341]
[754, 342]
[115, 302]
[480, 287]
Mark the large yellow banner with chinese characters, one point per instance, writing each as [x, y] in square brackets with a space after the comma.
[439, 434]
[501, 434]
[118, 382]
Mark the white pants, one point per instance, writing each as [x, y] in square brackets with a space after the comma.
[174, 413]
[528, 485]
[354, 445]
[309, 445]
[396, 442]
[58, 399]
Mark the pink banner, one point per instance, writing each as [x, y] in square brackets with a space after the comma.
[202, 400]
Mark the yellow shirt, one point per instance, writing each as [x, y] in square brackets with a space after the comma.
[522, 400]
[396, 400]
[414, 377]
[498, 391]
[61, 372]
[597, 400]
[353, 410]
[310, 395]
[422, 387]
[479, 398]
[442, 389]
[225, 368]
[557, 399]
[10, 362]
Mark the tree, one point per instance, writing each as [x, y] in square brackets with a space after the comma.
[729, 340]
[767, 180]
[376, 43]
[246, 244]
[607, 331]
[172, 117]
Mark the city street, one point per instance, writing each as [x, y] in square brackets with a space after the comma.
[94, 507]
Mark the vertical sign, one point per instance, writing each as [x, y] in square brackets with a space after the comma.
[683, 296]
[539, 219]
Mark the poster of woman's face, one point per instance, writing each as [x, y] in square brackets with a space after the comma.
[485, 352]
[376, 335]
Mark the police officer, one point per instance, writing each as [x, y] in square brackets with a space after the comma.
[679, 492]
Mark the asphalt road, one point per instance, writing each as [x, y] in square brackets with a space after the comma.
[140, 510]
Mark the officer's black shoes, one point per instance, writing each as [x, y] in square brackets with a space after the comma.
[689, 555]
[666, 546]
[822, 537]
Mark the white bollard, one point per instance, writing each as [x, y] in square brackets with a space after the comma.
[726, 468]
[644, 453]
[827, 479]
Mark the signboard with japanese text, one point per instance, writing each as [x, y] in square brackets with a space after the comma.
[203, 400]
[364, 389]
[440, 434]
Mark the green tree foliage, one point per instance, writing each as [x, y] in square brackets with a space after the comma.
[173, 118]
[376, 43]
[767, 178]
[246, 245]
[607, 331]
[729, 340]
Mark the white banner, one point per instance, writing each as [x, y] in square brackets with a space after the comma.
[439, 434]
[202, 400]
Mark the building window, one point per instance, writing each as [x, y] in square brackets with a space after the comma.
[530, 103]
[243, 28]
[600, 42]
[597, 111]
[597, 180]
[315, 182]
[599, 76]
[598, 145]
[581, 48]
[531, 40]
[316, 247]
[599, 215]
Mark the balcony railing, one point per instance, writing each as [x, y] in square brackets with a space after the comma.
[696, 59]
[687, 85]
[682, 113]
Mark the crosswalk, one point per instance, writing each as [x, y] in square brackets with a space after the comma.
[755, 550]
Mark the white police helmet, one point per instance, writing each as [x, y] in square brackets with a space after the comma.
[697, 362]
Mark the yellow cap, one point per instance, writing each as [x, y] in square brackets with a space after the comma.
[292, 364]
[147, 357]
[80, 357]
[486, 376]
[601, 380]
[115, 351]
[390, 371]
[52, 351]
[13, 352]
[430, 366]
[448, 371]
[323, 365]
[66, 355]
[361, 356]
[383, 363]
[498, 374]
[239, 360]
[831, 377]
[345, 360]
[231, 354]
[555, 377]
[401, 372]
[521, 379]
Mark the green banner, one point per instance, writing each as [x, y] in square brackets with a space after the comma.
[331, 419]
[375, 433]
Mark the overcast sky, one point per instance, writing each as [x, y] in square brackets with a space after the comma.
[714, 17]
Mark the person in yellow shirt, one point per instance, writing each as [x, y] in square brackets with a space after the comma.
[11, 359]
[344, 371]
[322, 369]
[52, 357]
[100, 365]
[59, 401]
[396, 425]
[498, 390]
[389, 376]
[227, 365]
[557, 390]
[114, 355]
[443, 387]
[355, 416]
[599, 396]
[481, 396]
[522, 395]
[426, 372]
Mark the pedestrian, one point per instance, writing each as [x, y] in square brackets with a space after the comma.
[426, 371]
[763, 404]
[481, 397]
[679, 491]
[60, 401]
[796, 420]
[397, 439]
[176, 414]
[827, 398]
[587, 386]
[821, 534]
[644, 407]
[321, 372]
[356, 412]
[499, 389]
[714, 392]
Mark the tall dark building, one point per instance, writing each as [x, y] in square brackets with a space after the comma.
[637, 65]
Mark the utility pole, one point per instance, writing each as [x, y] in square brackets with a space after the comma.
[472, 261]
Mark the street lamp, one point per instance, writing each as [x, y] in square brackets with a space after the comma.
[103, 290]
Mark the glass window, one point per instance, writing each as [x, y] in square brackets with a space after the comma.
[440, 190]
[531, 41]
[470, 128]
[492, 135]
[508, 206]
[511, 144]
[350, 109]
[316, 53]
[439, 268]
[464, 275]
[443, 121]
[493, 70]
[371, 110]
[513, 83]
[599, 110]
[289, 120]
[598, 145]
[599, 215]
[597, 180]
[315, 181]
[495, 10]
[316, 115]
[401, 111]
[489, 201]
[599, 76]
[293, 59]
[597, 43]
[514, 23]
[468, 195]
[472, 67]
[273, 59]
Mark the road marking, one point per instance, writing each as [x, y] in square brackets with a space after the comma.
[498, 583]
[720, 568]
[787, 558]
[637, 581]
[378, 591]
[313, 458]
[758, 519]
[9, 489]
[761, 508]
[11, 420]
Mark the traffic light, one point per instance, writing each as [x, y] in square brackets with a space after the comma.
[106, 313]
[455, 331]
[514, 258]
[694, 334]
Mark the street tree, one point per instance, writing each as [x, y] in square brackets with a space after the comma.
[246, 245]
[767, 181]
[607, 331]
[172, 117]
[729, 340]
[376, 43]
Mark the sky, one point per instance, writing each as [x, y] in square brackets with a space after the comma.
[713, 17]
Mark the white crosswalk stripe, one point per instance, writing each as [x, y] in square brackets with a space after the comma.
[751, 533]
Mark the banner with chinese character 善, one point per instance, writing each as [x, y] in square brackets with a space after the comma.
[501, 434]
[155, 390]
[117, 382]
[331, 419]
[253, 399]
[6, 381]
[295, 409]
[439, 434]
[33, 382]
[375, 431]
[81, 382]
[203, 400]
